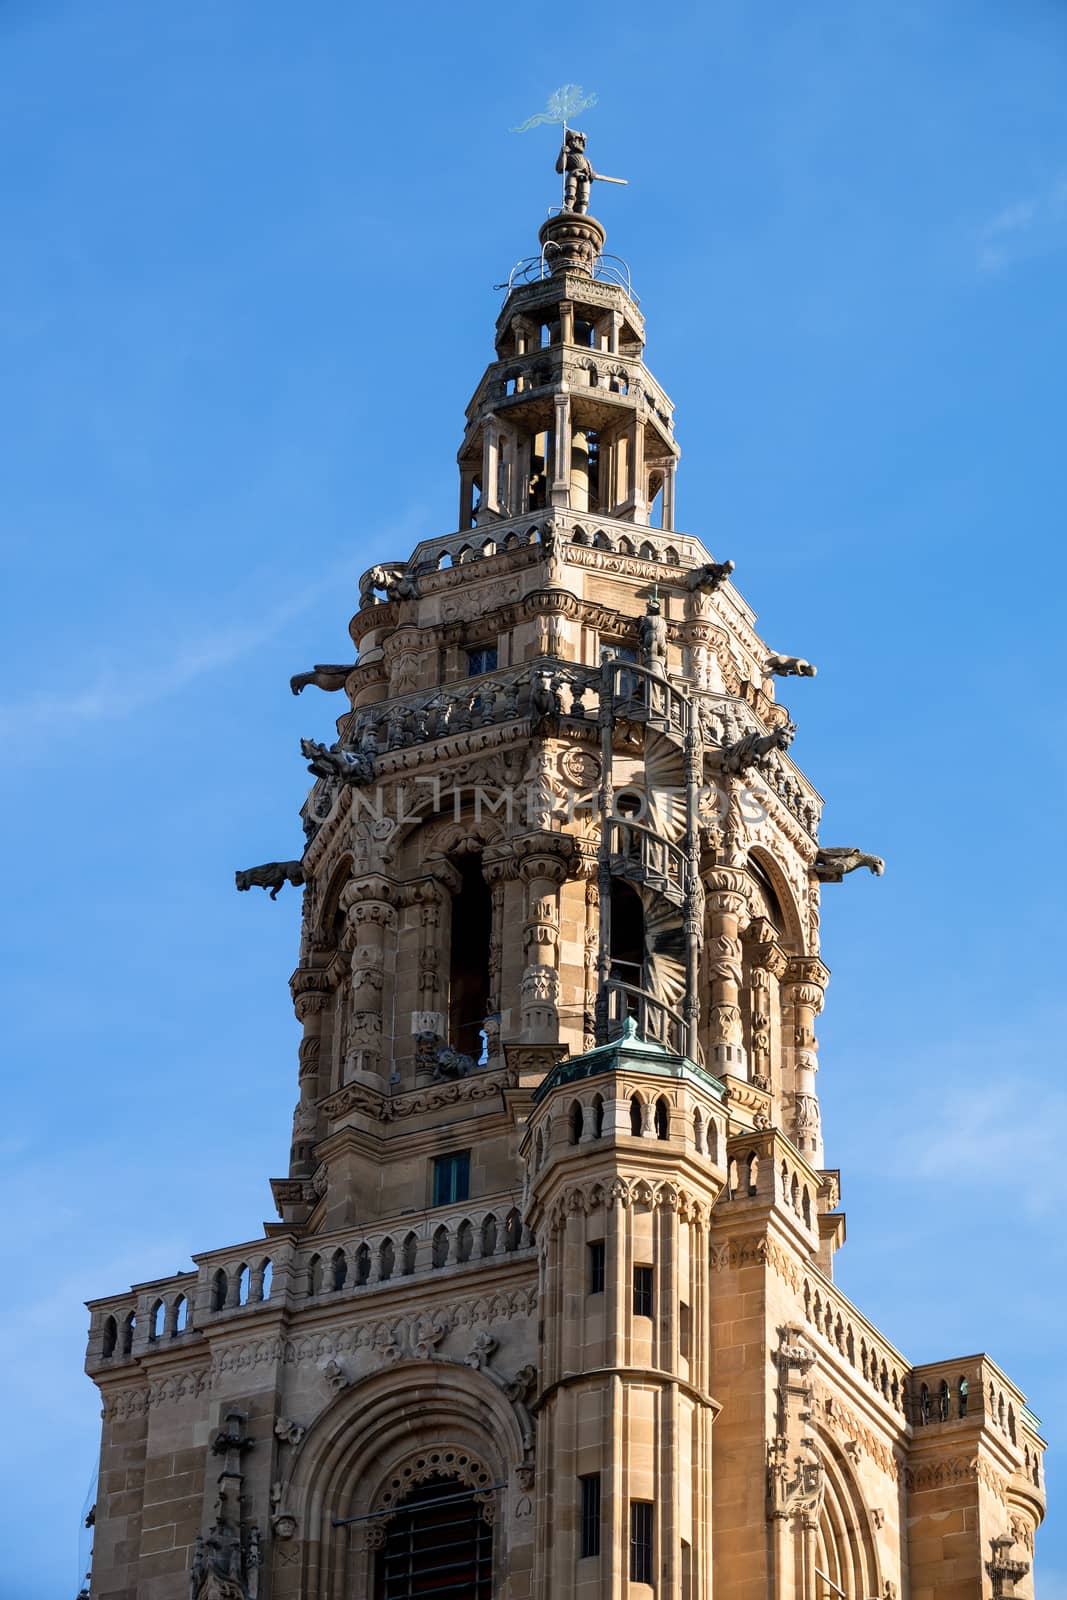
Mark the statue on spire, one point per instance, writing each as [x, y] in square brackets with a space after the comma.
[574, 165]
[578, 172]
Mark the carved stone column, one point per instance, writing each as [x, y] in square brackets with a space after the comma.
[727, 914]
[560, 487]
[496, 873]
[768, 960]
[543, 865]
[806, 980]
[368, 906]
[312, 992]
[591, 942]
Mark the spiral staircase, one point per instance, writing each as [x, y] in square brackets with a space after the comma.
[650, 841]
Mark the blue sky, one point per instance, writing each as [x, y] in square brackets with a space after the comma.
[245, 293]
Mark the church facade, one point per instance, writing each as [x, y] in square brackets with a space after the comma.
[549, 1310]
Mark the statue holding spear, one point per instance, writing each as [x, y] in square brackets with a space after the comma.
[573, 163]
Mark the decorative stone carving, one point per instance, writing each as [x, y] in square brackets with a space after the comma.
[272, 875]
[382, 584]
[289, 1432]
[226, 1559]
[328, 677]
[832, 862]
[789, 667]
[708, 578]
[652, 638]
[1004, 1572]
[747, 752]
[335, 1375]
[350, 766]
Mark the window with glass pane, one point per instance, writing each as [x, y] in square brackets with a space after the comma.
[452, 1178]
[589, 1538]
[596, 1267]
[642, 1291]
[640, 1541]
[483, 660]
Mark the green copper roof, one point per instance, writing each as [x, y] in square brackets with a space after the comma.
[627, 1053]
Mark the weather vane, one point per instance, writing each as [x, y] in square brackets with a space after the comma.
[573, 163]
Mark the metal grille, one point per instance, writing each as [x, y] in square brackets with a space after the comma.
[437, 1544]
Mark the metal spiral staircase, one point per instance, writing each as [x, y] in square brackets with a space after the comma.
[656, 853]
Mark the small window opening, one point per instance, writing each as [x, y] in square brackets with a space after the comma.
[452, 1178]
[589, 1538]
[641, 1541]
[643, 1287]
[597, 1252]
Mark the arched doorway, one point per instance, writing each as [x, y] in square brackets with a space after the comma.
[437, 1543]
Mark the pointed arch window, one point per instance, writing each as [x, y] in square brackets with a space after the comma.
[437, 1542]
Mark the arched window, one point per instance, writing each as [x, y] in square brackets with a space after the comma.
[440, 1246]
[663, 1119]
[157, 1320]
[512, 1231]
[636, 1117]
[489, 1235]
[181, 1314]
[943, 1402]
[598, 1116]
[244, 1281]
[437, 1542]
[386, 1260]
[409, 1254]
[805, 1207]
[464, 1241]
[713, 1140]
[129, 1328]
[362, 1265]
[338, 1270]
[266, 1278]
[753, 1171]
[961, 1391]
[577, 1122]
[539, 1150]
[315, 1275]
[110, 1339]
[468, 971]
[219, 1288]
[698, 1131]
[924, 1405]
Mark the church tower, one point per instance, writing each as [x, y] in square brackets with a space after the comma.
[548, 1311]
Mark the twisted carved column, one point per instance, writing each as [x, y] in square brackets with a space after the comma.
[806, 980]
[368, 906]
[727, 914]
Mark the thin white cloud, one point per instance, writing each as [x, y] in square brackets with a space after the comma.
[119, 691]
[1030, 226]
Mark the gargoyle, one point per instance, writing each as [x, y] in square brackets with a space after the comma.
[737, 758]
[832, 864]
[271, 875]
[394, 582]
[332, 762]
[789, 667]
[450, 1063]
[322, 676]
[709, 577]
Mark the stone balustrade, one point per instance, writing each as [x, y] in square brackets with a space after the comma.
[154, 1316]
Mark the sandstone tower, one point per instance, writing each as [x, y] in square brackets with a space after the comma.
[549, 1312]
